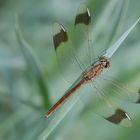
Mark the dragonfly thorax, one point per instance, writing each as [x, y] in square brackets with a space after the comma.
[96, 69]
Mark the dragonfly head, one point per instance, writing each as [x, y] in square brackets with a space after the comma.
[105, 62]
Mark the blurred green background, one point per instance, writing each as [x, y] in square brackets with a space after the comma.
[30, 81]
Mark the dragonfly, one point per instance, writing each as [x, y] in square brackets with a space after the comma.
[89, 74]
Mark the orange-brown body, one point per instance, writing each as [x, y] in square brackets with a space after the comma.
[89, 75]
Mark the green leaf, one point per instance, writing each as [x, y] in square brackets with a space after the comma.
[60, 116]
[117, 44]
[33, 66]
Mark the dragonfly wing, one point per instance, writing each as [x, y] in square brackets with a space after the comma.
[107, 109]
[60, 35]
[115, 114]
[65, 53]
[82, 37]
[120, 117]
[138, 100]
[121, 90]
[83, 15]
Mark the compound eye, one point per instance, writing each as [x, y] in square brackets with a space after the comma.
[107, 64]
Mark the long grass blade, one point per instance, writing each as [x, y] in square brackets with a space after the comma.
[117, 44]
[33, 65]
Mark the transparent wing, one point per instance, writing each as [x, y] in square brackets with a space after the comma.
[109, 110]
[68, 62]
[121, 90]
[82, 38]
